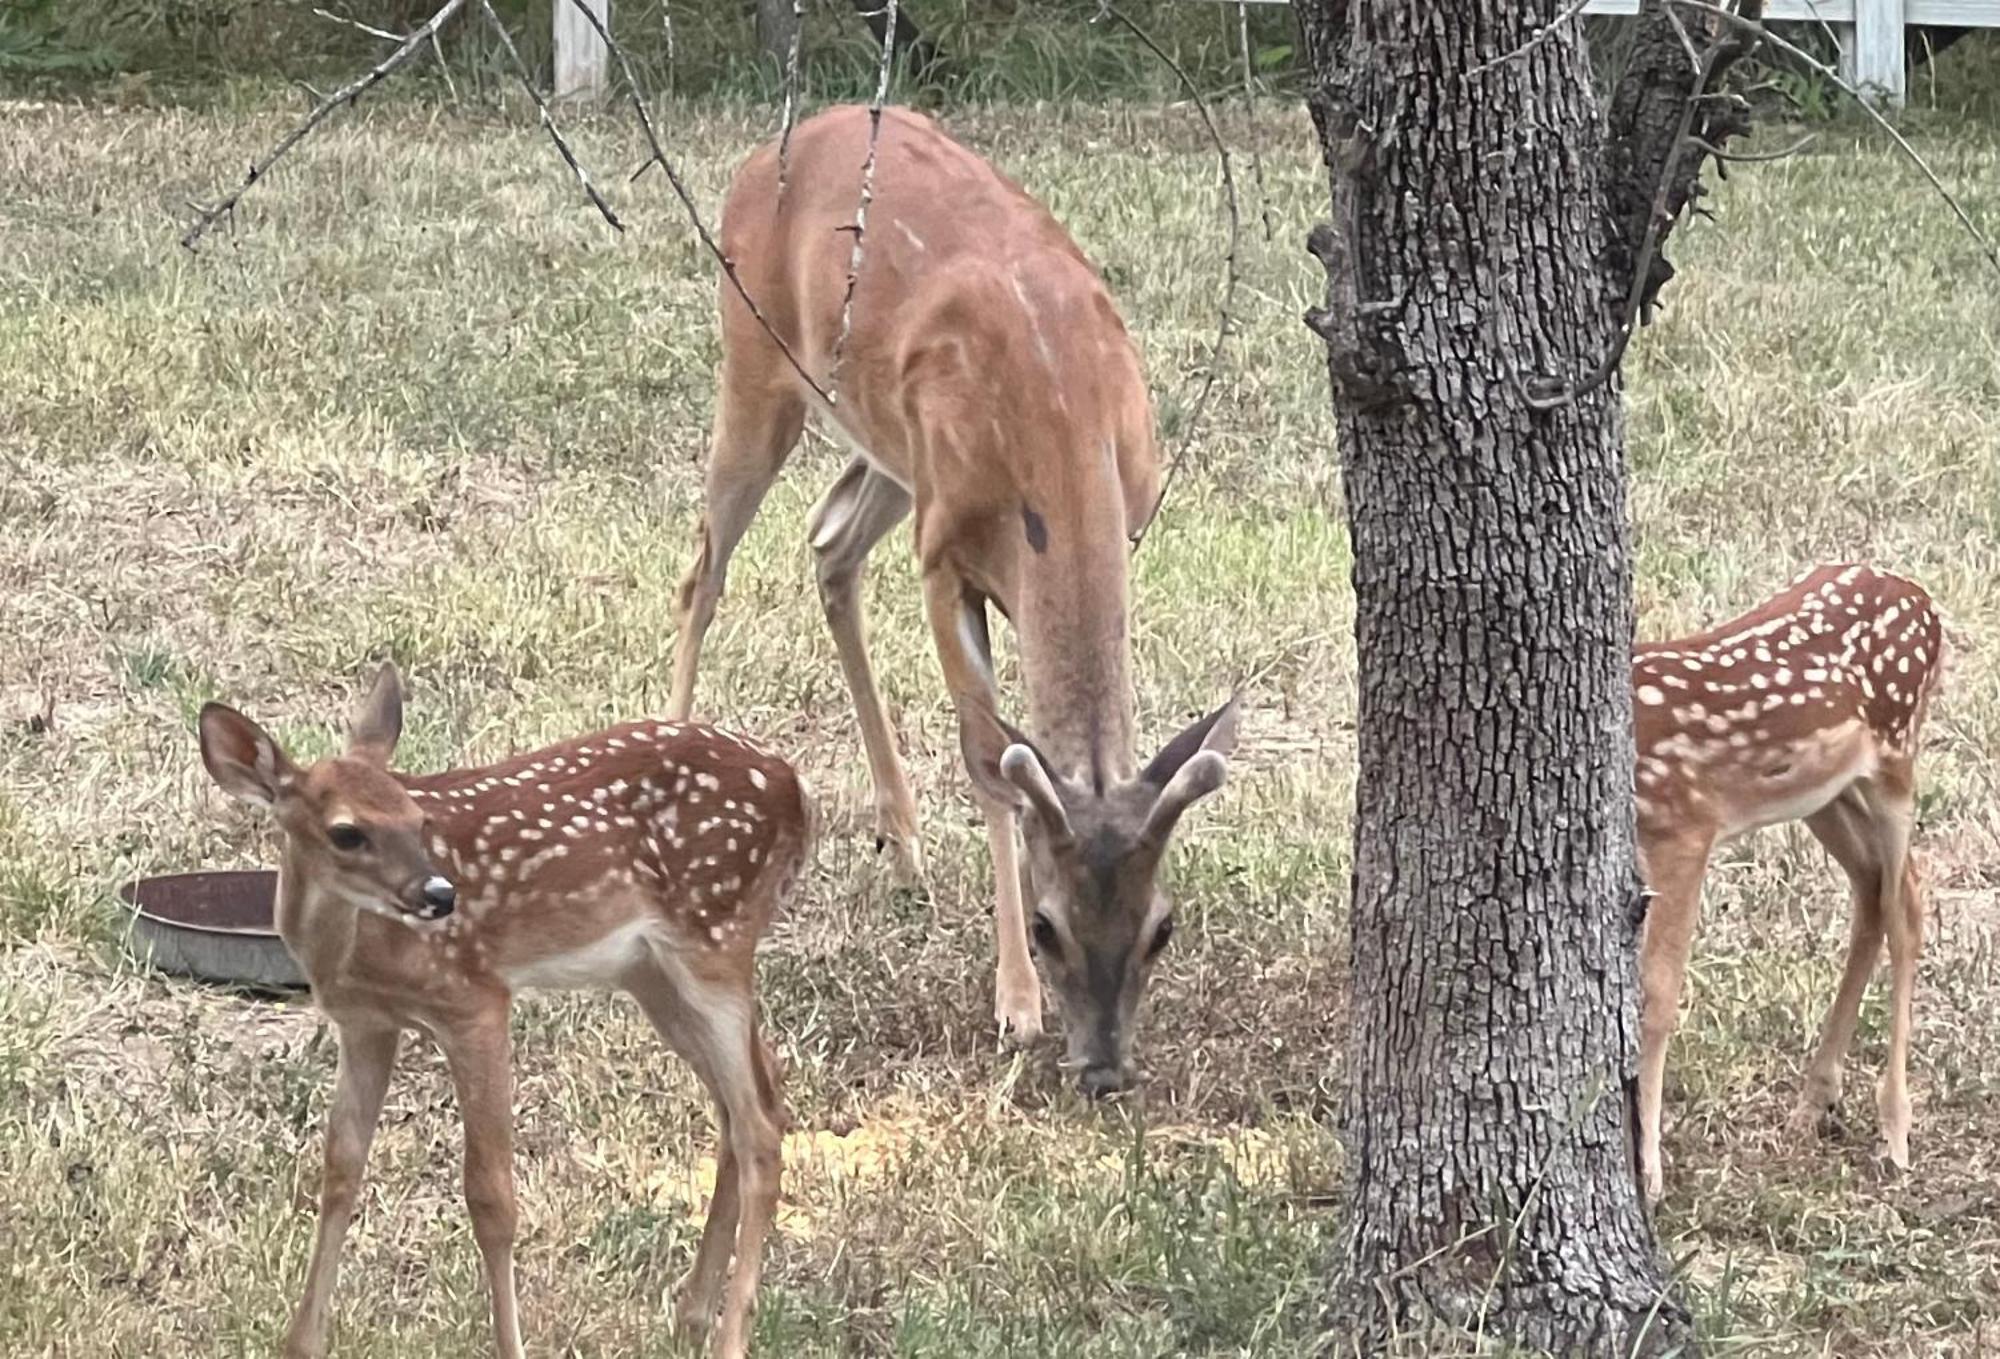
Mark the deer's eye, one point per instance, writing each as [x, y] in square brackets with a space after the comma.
[1161, 937]
[1045, 934]
[346, 838]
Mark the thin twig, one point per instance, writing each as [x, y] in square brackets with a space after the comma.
[346, 94]
[444, 67]
[1753, 157]
[548, 119]
[1106, 10]
[1250, 113]
[384, 34]
[1535, 39]
[860, 227]
[1985, 243]
[659, 157]
[789, 118]
[1687, 40]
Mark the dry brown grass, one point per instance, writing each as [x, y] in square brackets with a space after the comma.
[423, 405]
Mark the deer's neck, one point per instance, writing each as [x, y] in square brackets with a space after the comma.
[1073, 621]
[319, 933]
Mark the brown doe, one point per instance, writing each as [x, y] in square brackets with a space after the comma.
[1808, 707]
[645, 858]
[988, 384]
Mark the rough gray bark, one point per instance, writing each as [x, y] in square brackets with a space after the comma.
[1473, 258]
[777, 22]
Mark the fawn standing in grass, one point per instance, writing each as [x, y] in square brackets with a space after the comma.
[646, 858]
[1808, 707]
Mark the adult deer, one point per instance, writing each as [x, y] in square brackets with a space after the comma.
[987, 382]
[645, 858]
[1808, 707]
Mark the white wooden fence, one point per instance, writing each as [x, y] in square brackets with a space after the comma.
[1870, 32]
[1872, 55]
[580, 53]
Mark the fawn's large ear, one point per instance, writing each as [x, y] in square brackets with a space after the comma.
[1188, 768]
[1008, 768]
[242, 757]
[379, 720]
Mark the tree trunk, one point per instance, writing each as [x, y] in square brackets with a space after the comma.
[1496, 901]
[777, 28]
[917, 54]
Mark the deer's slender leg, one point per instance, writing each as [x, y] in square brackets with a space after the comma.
[1842, 826]
[700, 1292]
[850, 519]
[717, 1022]
[480, 1055]
[756, 426]
[1903, 918]
[367, 1056]
[1674, 869]
[958, 625]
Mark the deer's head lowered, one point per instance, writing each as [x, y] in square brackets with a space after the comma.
[1097, 917]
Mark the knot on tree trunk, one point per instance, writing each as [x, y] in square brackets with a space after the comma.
[1361, 351]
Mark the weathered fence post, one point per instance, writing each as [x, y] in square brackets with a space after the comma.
[580, 54]
[1871, 49]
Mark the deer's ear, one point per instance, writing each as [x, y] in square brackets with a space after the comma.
[378, 722]
[1188, 768]
[1215, 732]
[1009, 769]
[242, 757]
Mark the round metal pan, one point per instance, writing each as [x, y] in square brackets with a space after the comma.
[214, 927]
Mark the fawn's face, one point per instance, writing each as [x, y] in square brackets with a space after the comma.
[352, 832]
[1097, 919]
[357, 836]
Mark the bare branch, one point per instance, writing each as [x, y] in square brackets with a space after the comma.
[789, 118]
[659, 157]
[1754, 157]
[346, 94]
[1250, 112]
[444, 67]
[1763, 34]
[384, 34]
[1535, 39]
[860, 227]
[1226, 319]
[548, 119]
[1687, 42]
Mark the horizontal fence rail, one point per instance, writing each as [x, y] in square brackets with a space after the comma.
[1872, 50]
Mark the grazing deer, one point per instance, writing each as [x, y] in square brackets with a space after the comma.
[988, 383]
[1808, 707]
[645, 858]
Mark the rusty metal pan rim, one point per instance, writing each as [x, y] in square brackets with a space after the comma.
[128, 893]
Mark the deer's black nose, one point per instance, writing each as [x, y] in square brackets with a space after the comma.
[439, 897]
[1101, 1081]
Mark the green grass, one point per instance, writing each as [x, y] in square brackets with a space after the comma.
[421, 403]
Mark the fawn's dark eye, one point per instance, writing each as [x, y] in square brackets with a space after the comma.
[1045, 934]
[1161, 937]
[345, 837]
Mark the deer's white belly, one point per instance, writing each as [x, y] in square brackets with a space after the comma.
[597, 965]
